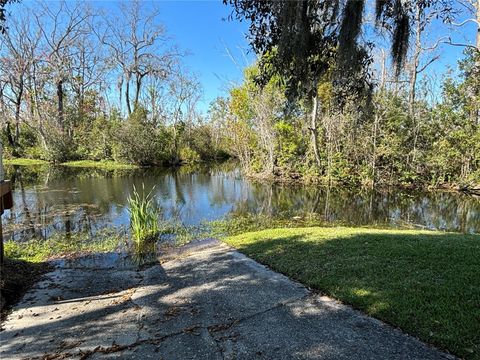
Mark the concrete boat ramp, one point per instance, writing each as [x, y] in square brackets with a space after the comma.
[204, 301]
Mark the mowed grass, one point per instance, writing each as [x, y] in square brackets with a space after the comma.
[426, 283]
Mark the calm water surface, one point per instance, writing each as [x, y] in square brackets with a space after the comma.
[58, 199]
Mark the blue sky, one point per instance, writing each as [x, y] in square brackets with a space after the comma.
[218, 48]
[202, 28]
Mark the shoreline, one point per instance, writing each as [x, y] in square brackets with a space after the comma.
[256, 177]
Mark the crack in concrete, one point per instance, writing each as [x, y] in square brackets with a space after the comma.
[210, 329]
[85, 354]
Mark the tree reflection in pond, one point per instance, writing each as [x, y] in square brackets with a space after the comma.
[60, 199]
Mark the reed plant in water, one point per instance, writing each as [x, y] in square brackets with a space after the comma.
[144, 217]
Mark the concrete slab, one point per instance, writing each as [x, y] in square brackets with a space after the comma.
[205, 301]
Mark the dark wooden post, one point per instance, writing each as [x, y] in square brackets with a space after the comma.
[6, 202]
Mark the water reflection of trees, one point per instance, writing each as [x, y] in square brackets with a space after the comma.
[61, 199]
[434, 210]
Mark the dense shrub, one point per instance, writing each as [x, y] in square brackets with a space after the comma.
[139, 142]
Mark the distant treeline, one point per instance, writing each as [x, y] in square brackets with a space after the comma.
[76, 84]
[389, 138]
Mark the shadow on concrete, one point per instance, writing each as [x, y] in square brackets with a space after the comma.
[426, 283]
[206, 304]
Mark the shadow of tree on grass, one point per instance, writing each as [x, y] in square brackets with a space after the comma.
[427, 284]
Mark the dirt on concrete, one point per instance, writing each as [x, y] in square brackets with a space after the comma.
[16, 277]
[204, 302]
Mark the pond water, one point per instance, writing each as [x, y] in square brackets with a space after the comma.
[60, 199]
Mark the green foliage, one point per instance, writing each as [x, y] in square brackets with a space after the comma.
[381, 144]
[27, 144]
[189, 156]
[139, 142]
[60, 147]
[144, 217]
[58, 245]
[290, 146]
[102, 164]
[98, 141]
[24, 162]
[207, 142]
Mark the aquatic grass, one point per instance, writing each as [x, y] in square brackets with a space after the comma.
[59, 245]
[425, 282]
[144, 216]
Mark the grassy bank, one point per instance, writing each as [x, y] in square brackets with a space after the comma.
[427, 283]
[104, 164]
[24, 162]
[37, 250]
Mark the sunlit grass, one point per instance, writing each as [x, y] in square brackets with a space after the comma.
[103, 164]
[24, 162]
[144, 217]
[425, 282]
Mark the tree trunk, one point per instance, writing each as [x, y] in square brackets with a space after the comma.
[476, 111]
[13, 138]
[412, 88]
[18, 106]
[411, 105]
[383, 74]
[137, 91]
[314, 130]
[35, 105]
[127, 94]
[374, 155]
[413, 79]
[10, 138]
[271, 159]
[61, 119]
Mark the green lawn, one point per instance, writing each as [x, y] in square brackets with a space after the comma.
[104, 164]
[24, 162]
[427, 283]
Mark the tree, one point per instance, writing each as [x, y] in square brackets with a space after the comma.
[302, 31]
[297, 41]
[473, 16]
[3, 11]
[15, 64]
[61, 28]
[184, 92]
[472, 8]
[421, 20]
[138, 45]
